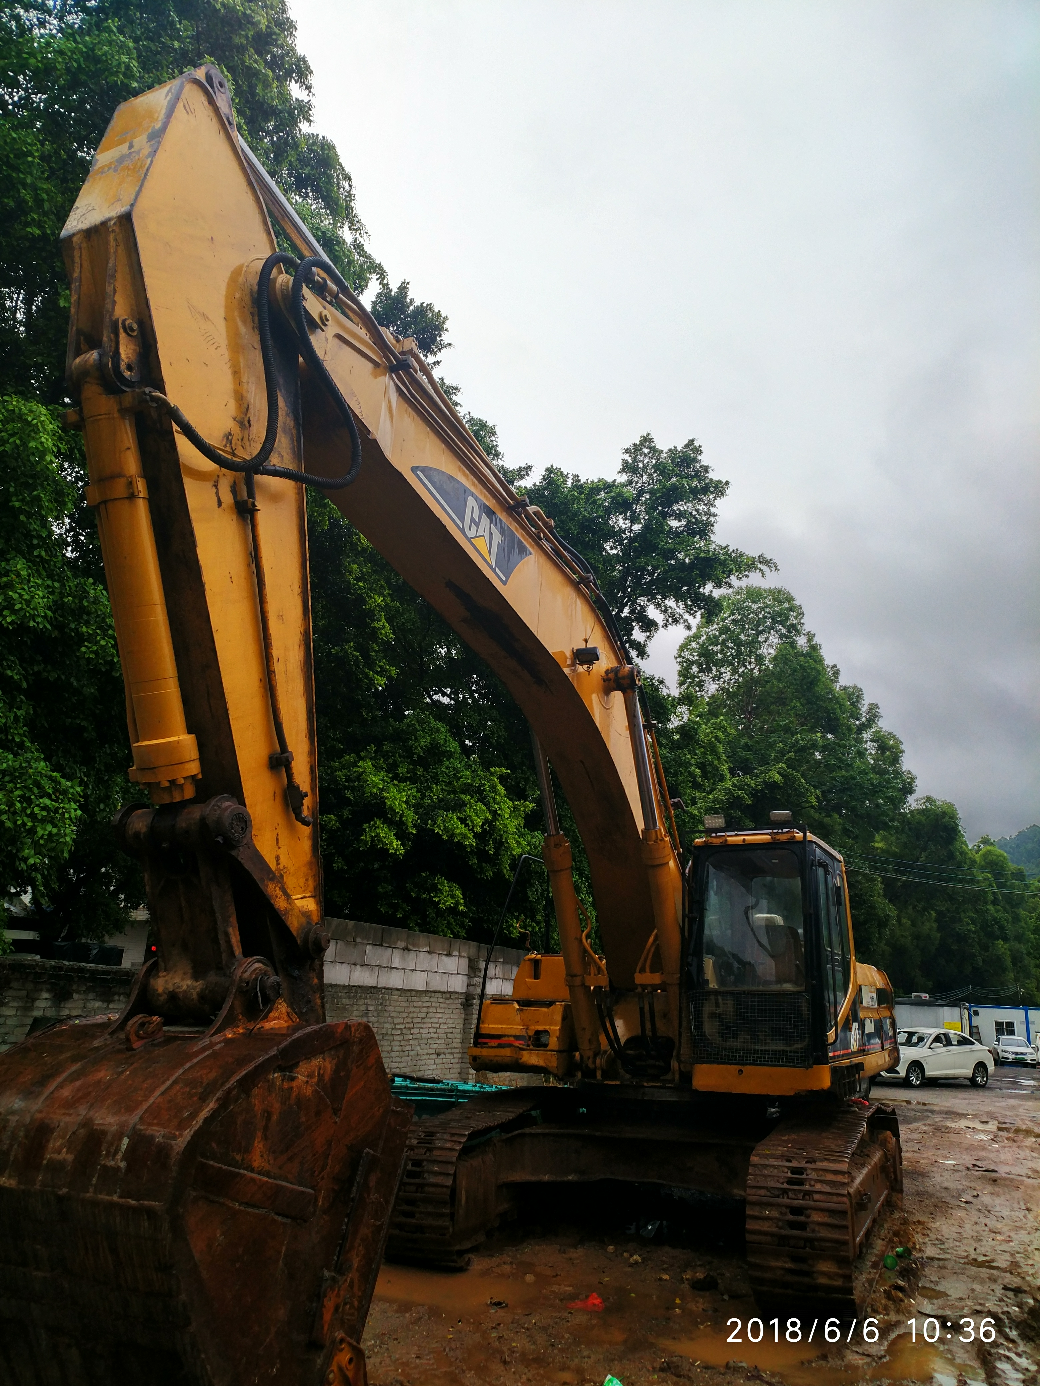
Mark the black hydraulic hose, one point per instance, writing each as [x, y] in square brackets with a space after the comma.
[257, 464]
[597, 595]
[263, 319]
[300, 278]
[526, 856]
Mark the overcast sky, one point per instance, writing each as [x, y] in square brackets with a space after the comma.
[803, 233]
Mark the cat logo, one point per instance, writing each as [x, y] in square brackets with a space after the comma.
[500, 548]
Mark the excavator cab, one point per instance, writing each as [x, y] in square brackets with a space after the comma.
[779, 1005]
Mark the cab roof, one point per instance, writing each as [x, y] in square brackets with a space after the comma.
[757, 837]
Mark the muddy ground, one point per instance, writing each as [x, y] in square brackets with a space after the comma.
[971, 1218]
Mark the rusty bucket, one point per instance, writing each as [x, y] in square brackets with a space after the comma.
[177, 1209]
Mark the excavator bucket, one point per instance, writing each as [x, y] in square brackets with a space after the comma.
[177, 1209]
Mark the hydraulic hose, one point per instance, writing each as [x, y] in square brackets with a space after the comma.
[525, 856]
[257, 465]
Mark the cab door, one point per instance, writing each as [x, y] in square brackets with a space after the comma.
[833, 935]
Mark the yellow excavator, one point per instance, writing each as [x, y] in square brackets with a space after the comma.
[201, 1188]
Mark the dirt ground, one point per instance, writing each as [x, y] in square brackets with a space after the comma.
[671, 1290]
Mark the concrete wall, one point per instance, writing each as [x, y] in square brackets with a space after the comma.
[418, 992]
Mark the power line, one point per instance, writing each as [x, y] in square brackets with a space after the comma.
[916, 865]
[933, 880]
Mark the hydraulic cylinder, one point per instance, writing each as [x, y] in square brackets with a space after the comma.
[556, 853]
[166, 755]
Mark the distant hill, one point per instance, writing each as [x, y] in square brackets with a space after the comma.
[1024, 849]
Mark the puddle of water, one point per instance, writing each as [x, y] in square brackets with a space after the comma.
[463, 1296]
[903, 1360]
[457, 1292]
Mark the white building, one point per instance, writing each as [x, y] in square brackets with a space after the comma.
[987, 1022]
[920, 1012]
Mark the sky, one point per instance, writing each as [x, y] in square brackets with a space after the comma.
[803, 232]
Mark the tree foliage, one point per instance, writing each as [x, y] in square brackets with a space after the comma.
[1023, 849]
[396, 309]
[64, 67]
[62, 716]
[425, 806]
[427, 785]
[649, 536]
[981, 930]
[761, 721]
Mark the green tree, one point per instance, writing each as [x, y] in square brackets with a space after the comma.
[761, 721]
[411, 722]
[1023, 849]
[959, 916]
[64, 67]
[396, 309]
[425, 805]
[649, 536]
[62, 712]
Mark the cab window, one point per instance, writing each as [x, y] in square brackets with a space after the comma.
[753, 921]
[834, 937]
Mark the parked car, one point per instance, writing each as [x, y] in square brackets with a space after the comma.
[926, 1056]
[1013, 1049]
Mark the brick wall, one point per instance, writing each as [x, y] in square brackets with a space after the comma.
[35, 987]
[418, 992]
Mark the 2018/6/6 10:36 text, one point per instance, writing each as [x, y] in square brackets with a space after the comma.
[835, 1330]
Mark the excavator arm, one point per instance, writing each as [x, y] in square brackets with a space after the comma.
[192, 332]
[200, 1188]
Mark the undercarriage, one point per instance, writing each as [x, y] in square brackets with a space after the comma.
[817, 1177]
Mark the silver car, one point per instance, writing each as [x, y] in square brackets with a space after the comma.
[1013, 1049]
[926, 1056]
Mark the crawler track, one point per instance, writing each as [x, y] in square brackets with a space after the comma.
[817, 1186]
[430, 1222]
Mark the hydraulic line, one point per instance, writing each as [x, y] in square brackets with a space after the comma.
[525, 856]
[257, 465]
[541, 770]
[283, 757]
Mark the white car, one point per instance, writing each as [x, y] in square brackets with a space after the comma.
[926, 1056]
[1013, 1049]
